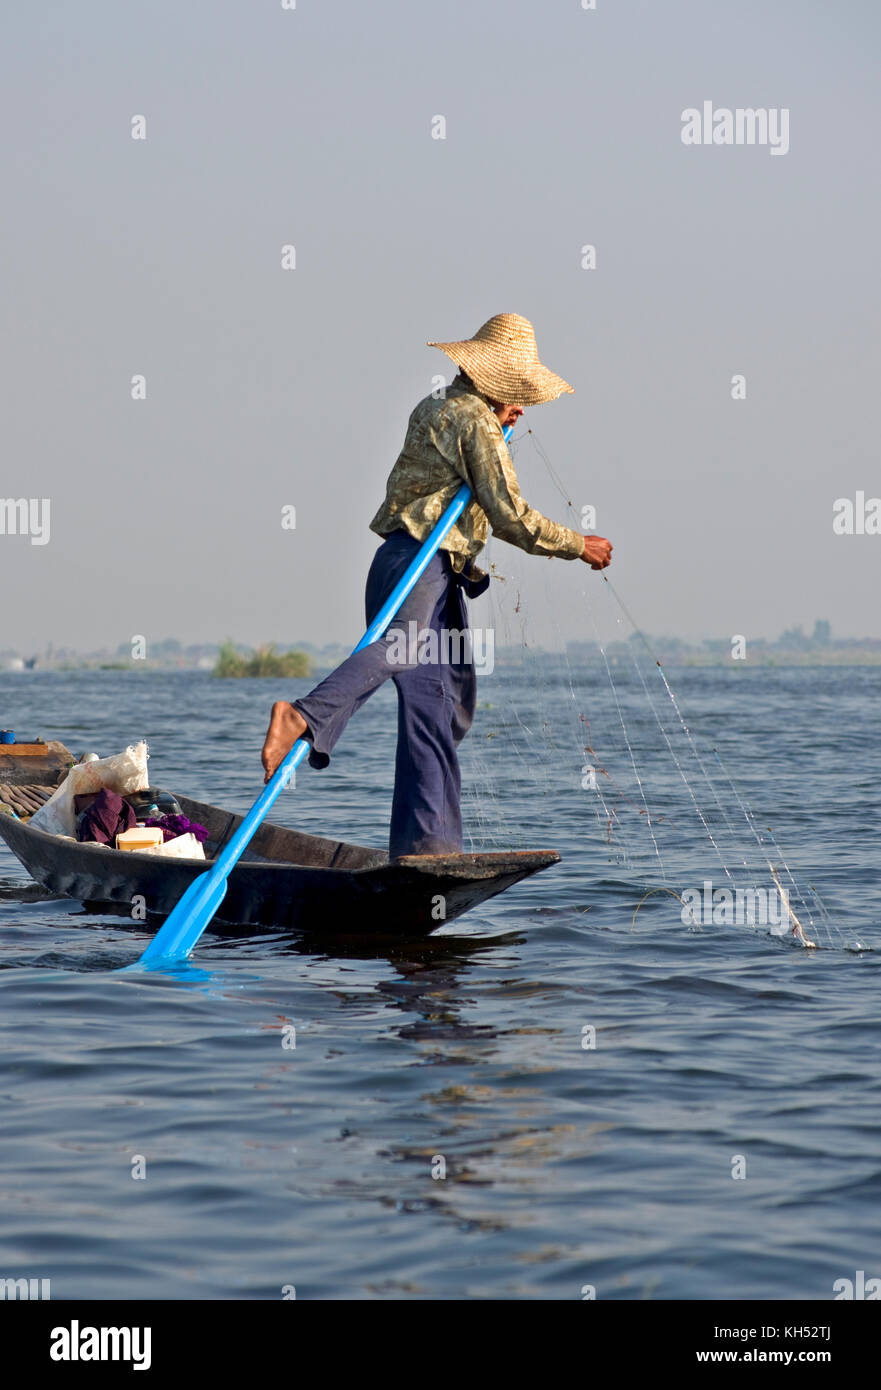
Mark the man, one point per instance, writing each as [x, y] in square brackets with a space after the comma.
[451, 440]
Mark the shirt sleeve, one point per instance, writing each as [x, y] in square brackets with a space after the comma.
[494, 483]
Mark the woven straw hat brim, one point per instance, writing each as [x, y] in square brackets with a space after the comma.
[508, 382]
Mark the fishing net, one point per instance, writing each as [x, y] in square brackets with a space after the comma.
[588, 742]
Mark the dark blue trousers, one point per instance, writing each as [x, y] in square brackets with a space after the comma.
[435, 700]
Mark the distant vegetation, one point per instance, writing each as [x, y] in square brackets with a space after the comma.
[265, 661]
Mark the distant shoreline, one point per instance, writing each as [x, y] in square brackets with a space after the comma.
[505, 657]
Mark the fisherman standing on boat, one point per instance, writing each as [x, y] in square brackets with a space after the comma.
[450, 440]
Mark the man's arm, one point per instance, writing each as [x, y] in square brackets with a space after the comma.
[494, 483]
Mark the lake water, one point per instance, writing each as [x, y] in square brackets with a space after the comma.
[614, 1098]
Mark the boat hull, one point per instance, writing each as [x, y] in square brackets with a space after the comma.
[287, 880]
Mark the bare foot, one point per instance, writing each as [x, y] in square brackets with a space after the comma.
[286, 725]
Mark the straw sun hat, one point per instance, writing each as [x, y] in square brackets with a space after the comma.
[502, 361]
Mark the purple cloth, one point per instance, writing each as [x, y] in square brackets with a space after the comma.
[108, 815]
[172, 826]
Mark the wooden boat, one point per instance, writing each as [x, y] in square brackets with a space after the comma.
[286, 879]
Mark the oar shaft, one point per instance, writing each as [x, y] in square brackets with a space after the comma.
[238, 840]
[429, 549]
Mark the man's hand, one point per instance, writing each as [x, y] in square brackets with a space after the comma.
[597, 552]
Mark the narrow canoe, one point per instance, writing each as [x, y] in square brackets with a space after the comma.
[287, 879]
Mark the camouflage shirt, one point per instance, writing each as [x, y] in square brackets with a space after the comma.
[459, 440]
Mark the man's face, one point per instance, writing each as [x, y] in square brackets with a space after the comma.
[508, 414]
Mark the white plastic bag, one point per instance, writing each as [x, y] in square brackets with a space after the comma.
[123, 773]
[181, 847]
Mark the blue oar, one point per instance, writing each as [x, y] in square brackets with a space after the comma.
[188, 919]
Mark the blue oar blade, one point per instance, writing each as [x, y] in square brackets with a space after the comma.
[185, 923]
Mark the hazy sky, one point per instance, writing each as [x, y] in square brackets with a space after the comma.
[267, 387]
